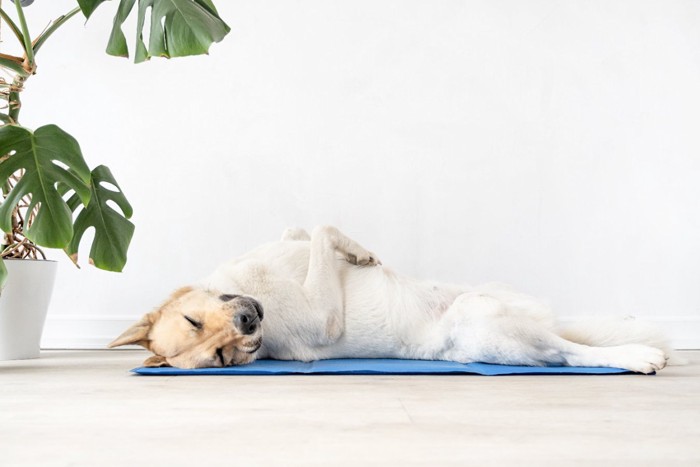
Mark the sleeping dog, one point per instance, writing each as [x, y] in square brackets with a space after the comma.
[320, 296]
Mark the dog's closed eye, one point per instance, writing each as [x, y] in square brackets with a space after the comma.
[193, 322]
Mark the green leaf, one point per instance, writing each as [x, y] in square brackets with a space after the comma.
[117, 41]
[177, 28]
[37, 153]
[113, 231]
[89, 6]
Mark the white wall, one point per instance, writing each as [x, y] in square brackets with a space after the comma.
[552, 145]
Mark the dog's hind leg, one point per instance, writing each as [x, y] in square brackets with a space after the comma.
[322, 286]
[481, 328]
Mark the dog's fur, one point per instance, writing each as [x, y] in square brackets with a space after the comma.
[325, 296]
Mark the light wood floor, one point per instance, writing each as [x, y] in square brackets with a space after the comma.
[83, 408]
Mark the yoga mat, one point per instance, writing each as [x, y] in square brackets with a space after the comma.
[378, 366]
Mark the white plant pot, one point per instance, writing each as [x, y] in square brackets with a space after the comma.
[23, 305]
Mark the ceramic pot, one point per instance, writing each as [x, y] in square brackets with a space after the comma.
[23, 305]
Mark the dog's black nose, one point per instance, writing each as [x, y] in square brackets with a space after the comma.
[248, 302]
[249, 315]
[247, 321]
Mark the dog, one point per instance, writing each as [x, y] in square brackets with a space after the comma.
[321, 296]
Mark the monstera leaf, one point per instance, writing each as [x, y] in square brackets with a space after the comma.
[113, 231]
[49, 156]
[178, 27]
[88, 6]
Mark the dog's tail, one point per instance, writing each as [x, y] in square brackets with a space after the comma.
[606, 332]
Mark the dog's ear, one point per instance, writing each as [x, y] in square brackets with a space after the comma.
[177, 294]
[137, 334]
[156, 361]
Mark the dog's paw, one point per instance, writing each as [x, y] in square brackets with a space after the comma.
[366, 258]
[350, 249]
[295, 234]
[641, 358]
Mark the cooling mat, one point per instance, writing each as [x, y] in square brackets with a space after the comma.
[378, 366]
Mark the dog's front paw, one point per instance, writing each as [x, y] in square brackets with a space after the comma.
[366, 258]
[641, 358]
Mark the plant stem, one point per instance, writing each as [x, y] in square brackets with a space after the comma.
[29, 51]
[15, 103]
[12, 62]
[57, 23]
[12, 26]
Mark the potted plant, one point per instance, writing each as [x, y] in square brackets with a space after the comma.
[50, 195]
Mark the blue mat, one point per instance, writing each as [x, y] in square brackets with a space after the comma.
[379, 366]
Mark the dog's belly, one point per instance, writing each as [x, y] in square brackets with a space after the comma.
[385, 317]
[368, 331]
[367, 334]
[350, 345]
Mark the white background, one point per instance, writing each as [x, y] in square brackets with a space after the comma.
[551, 145]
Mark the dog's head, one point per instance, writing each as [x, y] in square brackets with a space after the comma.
[196, 328]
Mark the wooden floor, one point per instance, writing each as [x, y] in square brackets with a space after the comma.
[83, 408]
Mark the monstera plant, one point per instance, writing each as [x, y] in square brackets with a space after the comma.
[51, 196]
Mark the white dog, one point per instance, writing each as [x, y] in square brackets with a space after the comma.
[324, 296]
